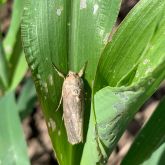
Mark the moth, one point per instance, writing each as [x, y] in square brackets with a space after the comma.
[73, 104]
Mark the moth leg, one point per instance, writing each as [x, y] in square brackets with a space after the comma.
[81, 72]
[58, 72]
[59, 104]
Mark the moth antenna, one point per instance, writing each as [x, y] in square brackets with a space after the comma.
[59, 104]
[58, 72]
[81, 72]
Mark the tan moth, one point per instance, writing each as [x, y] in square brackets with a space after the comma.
[73, 104]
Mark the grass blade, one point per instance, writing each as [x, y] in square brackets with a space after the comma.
[129, 71]
[4, 70]
[17, 63]
[11, 38]
[45, 42]
[52, 33]
[12, 143]
[27, 99]
[149, 139]
[91, 23]
[157, 157]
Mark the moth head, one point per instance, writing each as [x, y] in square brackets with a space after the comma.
[70, 74]
[79, 74]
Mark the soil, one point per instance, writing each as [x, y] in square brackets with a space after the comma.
[39, 146]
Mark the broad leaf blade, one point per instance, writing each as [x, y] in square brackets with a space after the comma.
[44, 34]
[90, 28]
[52, 31]
[149, 138]
[12, 143]
[131, 43]
[114, 108]
[119, 63]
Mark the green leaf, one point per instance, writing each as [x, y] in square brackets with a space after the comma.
[149, 138]
[2, 1]
[130, 70]
[19, 71]
[13, 47]
[12, 143]
[114, 108]
[27, 99]
[67, 33]
[90, 27]
[4, 70]
[17, 63]
[11, 37]
[134, 44]
[157, 157]
[42, 42]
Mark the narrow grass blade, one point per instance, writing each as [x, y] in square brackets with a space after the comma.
[13, 31]
[13, 47]
[17, 64]
[12, 143]
[149, 138]
[4, 69]
[27, 99]
[157, 157]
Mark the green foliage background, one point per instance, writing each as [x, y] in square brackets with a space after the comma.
[120, 76]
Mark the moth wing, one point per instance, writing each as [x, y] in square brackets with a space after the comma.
[73, 119]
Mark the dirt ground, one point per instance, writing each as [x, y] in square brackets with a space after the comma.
[39, 145]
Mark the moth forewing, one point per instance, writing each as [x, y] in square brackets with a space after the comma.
[73, 104]
[73, 107]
